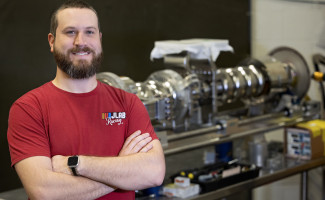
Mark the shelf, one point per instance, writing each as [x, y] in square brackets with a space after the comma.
[291, 167]
[185, 141]
[190, 140]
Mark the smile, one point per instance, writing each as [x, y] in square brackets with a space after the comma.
[81, 53]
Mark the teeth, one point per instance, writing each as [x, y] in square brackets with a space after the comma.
[82, 53]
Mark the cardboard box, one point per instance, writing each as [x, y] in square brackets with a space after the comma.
[305, 140]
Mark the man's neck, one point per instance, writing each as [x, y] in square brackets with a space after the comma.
[64, 82]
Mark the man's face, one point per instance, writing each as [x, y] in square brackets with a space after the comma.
[77, 45]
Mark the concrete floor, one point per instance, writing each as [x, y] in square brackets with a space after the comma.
[18, 194]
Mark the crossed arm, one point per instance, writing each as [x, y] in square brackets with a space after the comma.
[139, 165]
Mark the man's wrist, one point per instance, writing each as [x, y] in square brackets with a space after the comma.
[73, 163]
[79, 167]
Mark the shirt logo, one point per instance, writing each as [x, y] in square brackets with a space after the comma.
[114, 118]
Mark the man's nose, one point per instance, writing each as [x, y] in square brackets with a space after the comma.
[80, 40]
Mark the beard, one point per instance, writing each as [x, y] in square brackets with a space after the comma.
[83, 69]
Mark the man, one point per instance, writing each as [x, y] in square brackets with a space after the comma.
[74, 114]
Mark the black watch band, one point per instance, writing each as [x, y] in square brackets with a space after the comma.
[74, 171]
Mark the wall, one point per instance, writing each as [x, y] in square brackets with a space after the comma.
[297, 24]
[300, 25]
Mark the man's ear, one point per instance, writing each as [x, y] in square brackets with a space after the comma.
[100, 36]
[51, 38]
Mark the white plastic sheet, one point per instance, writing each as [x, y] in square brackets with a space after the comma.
[196, 48]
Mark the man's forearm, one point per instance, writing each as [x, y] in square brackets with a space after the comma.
[132, 172]
[63, 186]
[43, 183]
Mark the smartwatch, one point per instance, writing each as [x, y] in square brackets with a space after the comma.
[73, 162]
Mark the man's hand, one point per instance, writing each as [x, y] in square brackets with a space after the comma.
[136, 143]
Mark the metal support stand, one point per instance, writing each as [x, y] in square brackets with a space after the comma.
[323, 183]
[304, 186]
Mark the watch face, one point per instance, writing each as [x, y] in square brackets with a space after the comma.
[73, 161]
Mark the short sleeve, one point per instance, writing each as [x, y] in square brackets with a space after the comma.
[26, 134]
[139, 118]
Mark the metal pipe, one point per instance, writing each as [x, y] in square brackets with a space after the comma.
[304, 186]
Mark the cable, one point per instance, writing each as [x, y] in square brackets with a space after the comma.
[317, 75]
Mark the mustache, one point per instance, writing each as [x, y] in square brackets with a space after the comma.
[79, 49]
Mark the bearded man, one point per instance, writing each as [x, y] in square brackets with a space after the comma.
[60, 142]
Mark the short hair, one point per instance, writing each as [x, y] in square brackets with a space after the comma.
[69, 4]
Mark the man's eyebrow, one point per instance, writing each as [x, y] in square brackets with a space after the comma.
[72, 27]
[91, 27]
[69, 27]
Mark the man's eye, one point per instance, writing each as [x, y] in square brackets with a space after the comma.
[70, 32]
[90, 32]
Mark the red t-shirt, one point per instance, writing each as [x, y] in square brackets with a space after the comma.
[48, 121]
